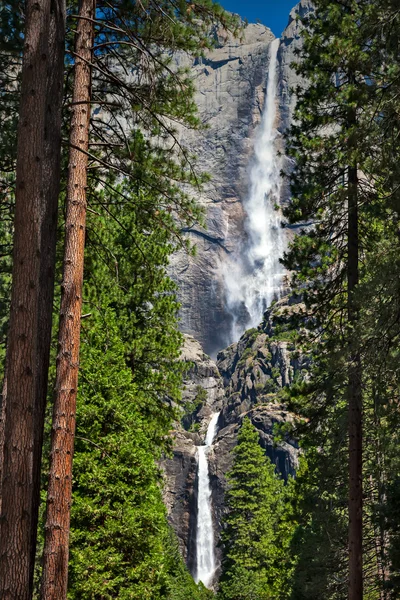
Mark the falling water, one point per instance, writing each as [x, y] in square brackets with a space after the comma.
[254, 277]
[205, 555]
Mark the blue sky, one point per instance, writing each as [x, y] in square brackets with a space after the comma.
[272, 13]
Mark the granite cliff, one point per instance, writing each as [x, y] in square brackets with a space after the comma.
[231, 90]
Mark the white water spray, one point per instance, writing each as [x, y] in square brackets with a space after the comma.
[205, 551]
[255, 277]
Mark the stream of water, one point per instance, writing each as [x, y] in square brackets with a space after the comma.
[205, 548]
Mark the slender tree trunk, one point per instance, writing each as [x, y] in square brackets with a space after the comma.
[56, 551]
[52, 175]
[354, 390]
[25, 382]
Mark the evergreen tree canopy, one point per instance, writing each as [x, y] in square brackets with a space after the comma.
[342, 182]
[256, 532]
[130, 388]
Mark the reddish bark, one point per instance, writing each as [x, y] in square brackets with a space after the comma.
[36, 198]
[55, 567]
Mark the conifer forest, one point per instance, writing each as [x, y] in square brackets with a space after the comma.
[199, 301]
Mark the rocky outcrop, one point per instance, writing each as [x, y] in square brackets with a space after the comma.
[250, 376]
[288, 80]
[247, 380]
[231, 87]
[203, 389]
[265, 360]
[179, 492]
[256, 370]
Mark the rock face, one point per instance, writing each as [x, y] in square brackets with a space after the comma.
[230, 97]
[179, 493]
[288, 80]
[255, 371]
[202, 383]
[231, 84]
[247, 380]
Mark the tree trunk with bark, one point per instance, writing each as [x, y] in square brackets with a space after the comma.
[52, 175]
[29, 336]
[354, 388]
[56, 551]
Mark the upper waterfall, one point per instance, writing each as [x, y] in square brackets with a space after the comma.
[221, 288]
[254, 276]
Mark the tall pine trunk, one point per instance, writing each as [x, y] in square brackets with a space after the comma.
[56, 550]
[29, 336]
[52, 174]
[354, 387]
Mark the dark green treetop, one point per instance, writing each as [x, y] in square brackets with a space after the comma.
[257, 532]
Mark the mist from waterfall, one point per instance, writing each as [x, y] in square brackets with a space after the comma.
[253, 277]
[205, 550]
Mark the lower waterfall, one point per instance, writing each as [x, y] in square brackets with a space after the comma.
[205, 551]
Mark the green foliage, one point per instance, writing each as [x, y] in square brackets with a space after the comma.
[130, 382]
[251, 335]
[320, 540]
[342, 120]
[246, 355]
[130, 378]
[188, 419]
[180, 585]
[257, 528]
[117, 512]
[334, 46]
[130, 373]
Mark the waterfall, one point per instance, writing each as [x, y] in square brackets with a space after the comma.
[254, 277]
[205, 552]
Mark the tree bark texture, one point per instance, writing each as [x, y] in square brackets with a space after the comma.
[28, 348]
[354, 394]
[55, 566]
[52, 175]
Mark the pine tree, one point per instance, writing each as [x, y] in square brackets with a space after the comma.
[55, 567]
[256, 534]
[330, 144]
[319, 544]
[130, 382]
[145, 102]
[344, 180]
